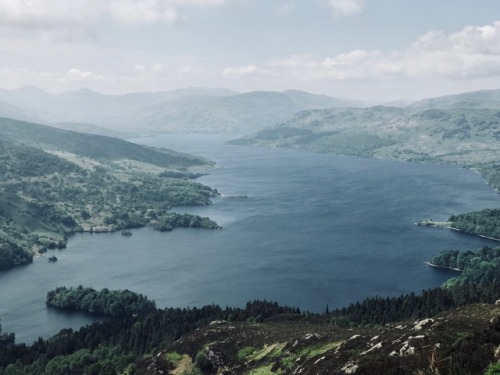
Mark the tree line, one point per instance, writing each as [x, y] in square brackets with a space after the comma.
[481, 223]
[109, 347]
[105, 302]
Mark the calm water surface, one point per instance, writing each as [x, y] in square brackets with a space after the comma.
[314, 230]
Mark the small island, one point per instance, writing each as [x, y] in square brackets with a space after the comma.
[115, 303]
[52, 259]
[173, 220]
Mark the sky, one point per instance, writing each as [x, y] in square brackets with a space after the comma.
[357, 49]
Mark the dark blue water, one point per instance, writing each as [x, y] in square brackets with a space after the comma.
[314, 230]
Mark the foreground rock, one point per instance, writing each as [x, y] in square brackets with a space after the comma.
[461, 341]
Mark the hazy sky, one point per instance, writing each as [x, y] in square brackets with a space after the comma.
[361, 49]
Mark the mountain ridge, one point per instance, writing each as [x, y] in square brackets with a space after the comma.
[179, 110]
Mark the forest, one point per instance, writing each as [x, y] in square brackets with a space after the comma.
[480, 223]
[113, 303]
[44, 197]
[112, 346]
[170, 221]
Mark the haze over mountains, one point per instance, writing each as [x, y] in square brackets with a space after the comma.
[182, 110]
[456, 128]
[462, 129]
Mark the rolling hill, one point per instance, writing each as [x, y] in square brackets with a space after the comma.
[183, 110]
[463, 136]
[102, 148]
[54, 182]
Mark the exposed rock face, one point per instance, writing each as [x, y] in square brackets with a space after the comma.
[469, 337]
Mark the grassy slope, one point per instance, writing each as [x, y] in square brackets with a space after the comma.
[83, 183]
[98, 147]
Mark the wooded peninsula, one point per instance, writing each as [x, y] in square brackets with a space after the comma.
[55, 182]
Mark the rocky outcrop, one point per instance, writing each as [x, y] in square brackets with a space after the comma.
[468, 337]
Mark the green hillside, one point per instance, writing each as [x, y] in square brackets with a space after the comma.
[454, 329]
[467, 137]
[93, 146]
[54, 182]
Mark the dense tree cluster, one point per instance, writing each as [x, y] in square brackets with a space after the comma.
[26, 161]
[44, 194]
[492, 173]
[482, 223]
[6, 340]
[109, 347]
[172, 220]
[112, 346]
[479, 282]
[106, 302]
[13, 255]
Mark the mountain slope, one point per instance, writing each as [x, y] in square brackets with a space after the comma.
[461, 136]
[54, 182]
[475, 99]
[191, 109]
[93, 146]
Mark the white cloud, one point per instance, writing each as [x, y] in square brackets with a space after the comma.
[243, 70]
[44, 13]
[469, 53]
[344, 7]
[50, 14]
[191, 71]
[157, 68]
[75, 74]
[143, 11]
[285, 8]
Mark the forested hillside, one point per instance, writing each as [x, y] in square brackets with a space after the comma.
[273, 339]
[54, 182]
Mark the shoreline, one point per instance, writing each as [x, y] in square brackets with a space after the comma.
[443, 267]
[448, 225]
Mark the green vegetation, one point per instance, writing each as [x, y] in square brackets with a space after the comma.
[101, 148]
[6, 340]
[113, 345]
[479, 268]
[481, 223]
[104, 302]
[129, 343]
[174, 357]
[12, 255]
[78, 186]
[465, 135]
[245, 352]
[170, 221]
[493, 369]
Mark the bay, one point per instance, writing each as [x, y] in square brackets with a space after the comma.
[314, 230]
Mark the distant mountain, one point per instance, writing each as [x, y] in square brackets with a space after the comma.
[182, 110]
[475, 99]
[466, 136]
[9, 110]
[236, 113]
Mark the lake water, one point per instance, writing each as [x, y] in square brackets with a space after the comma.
[314, 230]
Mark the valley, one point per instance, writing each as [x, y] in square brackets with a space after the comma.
[58, 182]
